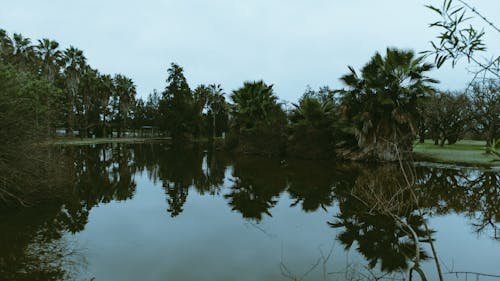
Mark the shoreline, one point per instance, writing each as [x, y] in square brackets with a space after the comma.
[89, 141]
[468, 153]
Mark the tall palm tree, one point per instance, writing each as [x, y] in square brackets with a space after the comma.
[6, 46]
[74, 64]
[23, 52]
[200, 96]
[50, 58]
[382, 102]
[125, 92]
[88, 100]
[106, 90]
[217, 104]
[200, 106]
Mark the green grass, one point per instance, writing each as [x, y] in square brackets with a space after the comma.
[465, 152]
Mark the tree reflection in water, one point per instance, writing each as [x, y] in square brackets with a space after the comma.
[256, 187]
[379, 216]
[251, 186]
[33, 248]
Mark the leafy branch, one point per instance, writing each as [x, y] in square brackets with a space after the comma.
[459, 39]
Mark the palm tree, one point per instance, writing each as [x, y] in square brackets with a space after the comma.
[106, 90]
[88, 100]
[6, 46]
[258, 121]
[254, 103]
[23, 52]
[125, 96]
[313, 112]
[50, 57]
[200, 105]
[382, 102]
[216, 104]
[312, 128]
[74, 65]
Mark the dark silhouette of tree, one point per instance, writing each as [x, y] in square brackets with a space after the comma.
[27, 112]
[313, 187]
[381, 236]
[485, 98]
[258, 121]
[74, 65]
[381, 103]
[23, 53]
[312, 128]
[256, 187]
[179, 173]
[176, 105]
[123, 99]
[218, 111]
[200, 102]
[50, 55]
[447, 116]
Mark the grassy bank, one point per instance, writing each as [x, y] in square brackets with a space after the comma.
[88, 141]
[465, 152]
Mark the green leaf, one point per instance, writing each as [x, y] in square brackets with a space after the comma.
[449, 5]
[456, 11]
[434, 9]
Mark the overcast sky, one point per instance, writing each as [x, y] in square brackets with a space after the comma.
[288, 43]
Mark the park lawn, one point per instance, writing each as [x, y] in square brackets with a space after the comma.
[464, 152]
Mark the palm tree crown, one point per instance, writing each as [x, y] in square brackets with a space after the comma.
[254, 102]
[382, 102]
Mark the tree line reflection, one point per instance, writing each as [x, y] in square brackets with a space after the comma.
[252, 186]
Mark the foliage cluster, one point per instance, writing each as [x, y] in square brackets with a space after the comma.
[449, 117]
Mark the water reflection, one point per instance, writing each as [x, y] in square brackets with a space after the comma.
[256, 187]
[312, 184]
[381, 218]
[32, 247]
[253, 187]
[473, 193]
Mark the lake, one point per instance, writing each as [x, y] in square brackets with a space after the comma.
[158, 212]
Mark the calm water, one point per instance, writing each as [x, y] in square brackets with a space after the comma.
[155, 212]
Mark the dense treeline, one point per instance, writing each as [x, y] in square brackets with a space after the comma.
[27, 106]
[376, 116]
[87, 101]
[447, 117]
[43, 88]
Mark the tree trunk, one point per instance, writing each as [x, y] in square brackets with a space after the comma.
[71, 119]
[104, 125]
[490, 138]
[442, 142]
[214, 132]
[386, 144]
[421, 134]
